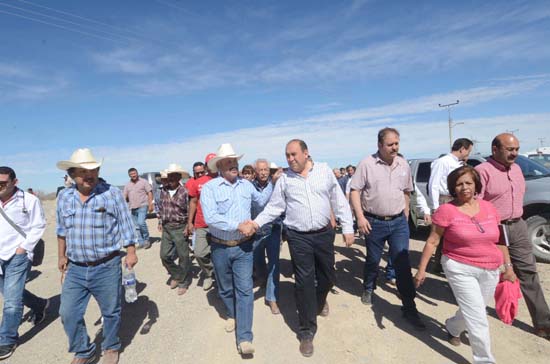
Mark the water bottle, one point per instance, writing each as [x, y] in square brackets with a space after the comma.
[129, 282]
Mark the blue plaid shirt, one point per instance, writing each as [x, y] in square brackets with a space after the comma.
[96, 228]
[226, 204]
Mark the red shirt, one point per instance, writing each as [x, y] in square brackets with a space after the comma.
[503, 187]
[194, 187]
[464, 242]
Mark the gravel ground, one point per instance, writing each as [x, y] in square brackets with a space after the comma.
[162, 327]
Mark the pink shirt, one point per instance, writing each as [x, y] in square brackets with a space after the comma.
[464, 242]
[503, 187]
[136, 193]
[382, 186]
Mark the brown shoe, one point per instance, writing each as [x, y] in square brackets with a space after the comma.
[306, 347]
[182, 291]
[83, 360]
[543, 332]
[273, 306]
[453, 340]
[173, 284]
[110, 357]
[324, 312]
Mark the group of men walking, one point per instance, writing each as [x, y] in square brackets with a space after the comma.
[234, 224]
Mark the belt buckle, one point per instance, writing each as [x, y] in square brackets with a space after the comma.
[232, 243]
[387, 218]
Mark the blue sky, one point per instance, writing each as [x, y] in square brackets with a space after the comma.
[147, 83]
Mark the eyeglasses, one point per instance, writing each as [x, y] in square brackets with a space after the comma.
[478, 225]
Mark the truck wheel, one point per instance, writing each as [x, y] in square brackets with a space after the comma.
[538, 229]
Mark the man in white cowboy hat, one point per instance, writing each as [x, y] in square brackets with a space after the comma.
[173, 210]
[93, 224]
[139, 194]
[226, 203]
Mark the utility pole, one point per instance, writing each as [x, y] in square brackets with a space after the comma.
[541, 141]
[451, 124]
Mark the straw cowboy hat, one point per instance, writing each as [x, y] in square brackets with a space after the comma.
[81, 158]
[224, 151]
[176, 168]
[163, 174]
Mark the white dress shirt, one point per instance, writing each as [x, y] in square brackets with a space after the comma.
[25, 210]
[308, 201]
[421, 201]
[441, 168]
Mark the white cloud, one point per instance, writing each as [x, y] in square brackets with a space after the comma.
[21, 82]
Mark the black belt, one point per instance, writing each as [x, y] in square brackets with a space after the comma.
[321, 230]
[510, 221]
[383, 218]
[97, 262]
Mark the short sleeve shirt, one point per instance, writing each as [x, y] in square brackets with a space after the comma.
[382, 186]
[136, 193]
[194, 187]
[471, 240]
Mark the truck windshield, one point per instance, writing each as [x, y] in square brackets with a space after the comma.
[532, 170]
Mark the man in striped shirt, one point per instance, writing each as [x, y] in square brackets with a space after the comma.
[309, 192]
[93, 224]
[226, 204]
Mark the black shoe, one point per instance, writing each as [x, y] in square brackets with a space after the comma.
[40, 316]
[366, 298]
[6, 351]
[306, 347]
[414, 319]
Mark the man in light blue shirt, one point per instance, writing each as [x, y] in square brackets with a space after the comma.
[226, 203]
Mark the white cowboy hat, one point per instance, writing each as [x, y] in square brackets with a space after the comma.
[273, 166]
[224, 151]
[81, 158]
[163, 174]
[176, 168]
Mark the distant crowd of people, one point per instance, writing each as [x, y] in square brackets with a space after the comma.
[235, 219]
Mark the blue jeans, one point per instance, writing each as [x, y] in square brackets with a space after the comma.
[270, 244]
[396, 233]
[12, 287]
[139, 215]
[103, 282]
[390, 270]
[233, 269]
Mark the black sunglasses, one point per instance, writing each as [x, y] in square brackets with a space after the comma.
[478, 225]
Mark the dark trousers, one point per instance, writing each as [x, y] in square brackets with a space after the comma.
[314, 274]
[173, 241]
[521, 254]
[396, 233]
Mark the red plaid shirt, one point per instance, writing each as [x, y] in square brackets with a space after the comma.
[173, 209]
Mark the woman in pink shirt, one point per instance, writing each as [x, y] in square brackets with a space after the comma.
[472, 259]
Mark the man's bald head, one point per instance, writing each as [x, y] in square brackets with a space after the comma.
[505, 148]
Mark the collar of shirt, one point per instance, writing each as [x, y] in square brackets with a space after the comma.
[258, 186]
[223, 181]
[501, 167]
[394, 164]
[16, 195]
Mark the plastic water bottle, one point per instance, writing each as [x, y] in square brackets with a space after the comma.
[129, 282]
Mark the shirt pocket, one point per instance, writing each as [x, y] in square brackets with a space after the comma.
[68, 218]
[223, 205]
[102, 216]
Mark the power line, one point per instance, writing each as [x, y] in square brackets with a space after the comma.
[81, 17]
[67, 21]
[61, 26]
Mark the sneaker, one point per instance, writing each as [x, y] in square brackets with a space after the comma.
[453, 340]
[230, 325]
[414, 319]
[207, 283]
[246, 348]
[6, 351]
[40, 316]
[366, 298]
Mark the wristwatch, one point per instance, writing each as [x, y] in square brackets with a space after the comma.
[503, 267]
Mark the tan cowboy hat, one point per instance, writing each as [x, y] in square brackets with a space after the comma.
[81, 158]
[163, 174]
[224, 151]
[176, 168]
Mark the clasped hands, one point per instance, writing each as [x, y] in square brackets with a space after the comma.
[248, 228]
